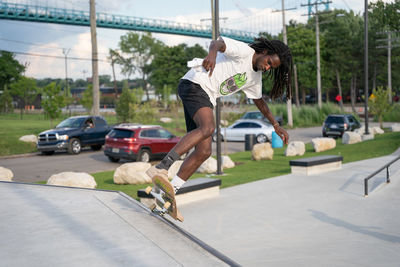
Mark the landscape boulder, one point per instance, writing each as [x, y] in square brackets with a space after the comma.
[323, 144]
[73, 179]
[366, 137]
[361, 130]
[165, 120]
[29, 138]
[295, 148]
[6, 174]
[349, 138]
[395, 127]
[262, 151]
[132, 173]
[377, 130]
[227, 163]
[208, 166]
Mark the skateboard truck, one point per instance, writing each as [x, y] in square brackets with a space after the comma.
[164, 205]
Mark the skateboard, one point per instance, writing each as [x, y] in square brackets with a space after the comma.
[164, 194]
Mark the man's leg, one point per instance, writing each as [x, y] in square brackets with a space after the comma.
[199, 138]
[201, 153]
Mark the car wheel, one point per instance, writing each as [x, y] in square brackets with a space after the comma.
[47, 152]
[112, 159]
[262, 138]
[74, 146]
[96, 147]
[144, 155]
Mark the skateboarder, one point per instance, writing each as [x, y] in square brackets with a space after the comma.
[229, 67]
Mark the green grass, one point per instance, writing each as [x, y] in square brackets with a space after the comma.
[12, 129]
[248, 170]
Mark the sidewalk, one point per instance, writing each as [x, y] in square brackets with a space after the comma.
[293, 220]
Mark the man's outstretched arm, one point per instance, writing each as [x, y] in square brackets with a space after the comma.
[263, 107]
[210, 60]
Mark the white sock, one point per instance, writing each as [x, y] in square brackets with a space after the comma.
[177, 182]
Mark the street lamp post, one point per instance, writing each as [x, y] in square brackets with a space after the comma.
[366, 64]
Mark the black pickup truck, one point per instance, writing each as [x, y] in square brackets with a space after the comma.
[74, 133]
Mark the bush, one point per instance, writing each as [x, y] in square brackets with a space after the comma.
[393, 115]
[379, 104]
[142, 113]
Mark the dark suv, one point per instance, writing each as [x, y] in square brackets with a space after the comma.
[336, 125]
[138, 142]
[74, 133]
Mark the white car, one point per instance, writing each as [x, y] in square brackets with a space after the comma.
[238, 130]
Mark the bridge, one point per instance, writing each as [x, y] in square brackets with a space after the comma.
[44, 14]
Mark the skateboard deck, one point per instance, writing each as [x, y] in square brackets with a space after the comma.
[164, 194]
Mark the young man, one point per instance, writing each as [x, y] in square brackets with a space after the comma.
[230, 66]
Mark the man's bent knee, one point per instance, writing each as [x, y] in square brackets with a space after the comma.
[207, 131]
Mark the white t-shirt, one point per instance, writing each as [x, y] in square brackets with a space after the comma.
[233, 72]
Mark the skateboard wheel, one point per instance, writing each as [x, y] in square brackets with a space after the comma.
[153, 207]
[148, 189]
[167, 205]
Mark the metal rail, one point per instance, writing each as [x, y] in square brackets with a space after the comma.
[376, 172]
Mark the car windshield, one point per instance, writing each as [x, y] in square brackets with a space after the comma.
[71, 123]
[334, 119]
[253, 115]
[118, 133]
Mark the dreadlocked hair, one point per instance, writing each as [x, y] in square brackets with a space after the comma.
[281, 76]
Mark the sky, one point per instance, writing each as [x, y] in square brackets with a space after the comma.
[54, 39]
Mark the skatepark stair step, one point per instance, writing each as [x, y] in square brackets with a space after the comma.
[315, 165]
[193, 190]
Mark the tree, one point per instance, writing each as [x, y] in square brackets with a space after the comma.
[87, 98]
[52, 101]
[137, 52]
[170, 64]
[387, 14]
[379, 104]
[301, 40]
[25, 88]
[123, 105]
[6, 101]
[10, 69]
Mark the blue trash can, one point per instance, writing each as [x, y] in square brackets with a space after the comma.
[276, 141]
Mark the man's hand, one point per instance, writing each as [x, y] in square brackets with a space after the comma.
[282, 133]
[209, 62]
[211, 59]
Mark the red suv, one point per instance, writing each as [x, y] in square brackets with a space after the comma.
[138, 142]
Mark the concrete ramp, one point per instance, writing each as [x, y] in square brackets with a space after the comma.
[59, 226]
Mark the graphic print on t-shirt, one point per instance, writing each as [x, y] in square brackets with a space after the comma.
[233, 83]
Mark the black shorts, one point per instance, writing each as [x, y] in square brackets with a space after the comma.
[193, 98]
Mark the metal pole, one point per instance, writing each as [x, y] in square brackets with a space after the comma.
[288, 97]
[366, 64]
[318, 58]
[65, 52]
[387, 174]
[389, 67]
[215, 34]
[66, 93]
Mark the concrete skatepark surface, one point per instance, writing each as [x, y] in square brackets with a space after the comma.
[290, 220]
[58, 226]
[318, 220]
